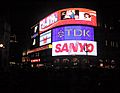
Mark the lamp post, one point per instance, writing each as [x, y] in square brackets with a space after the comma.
[86, 50]
[1, 45]
[1, 55]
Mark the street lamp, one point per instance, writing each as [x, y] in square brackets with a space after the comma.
[2, 46]
[86, 50]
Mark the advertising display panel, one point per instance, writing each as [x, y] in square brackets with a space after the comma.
[73, 33]
[74, 47]
[48, 22]
[68, 16]
[45, 38]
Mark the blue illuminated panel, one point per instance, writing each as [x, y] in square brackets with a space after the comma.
[73, 33]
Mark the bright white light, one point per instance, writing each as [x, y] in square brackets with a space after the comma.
[1, 45]
[32, 65]
[34, 41]
[101, 64]
[75, 63]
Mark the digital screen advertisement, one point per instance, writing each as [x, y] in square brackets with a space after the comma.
[74, 47]
[48, 22]
[73, 33]
[68, 16]
[45, 38]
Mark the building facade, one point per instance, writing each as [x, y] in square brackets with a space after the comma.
[72, 37]
[4, 41]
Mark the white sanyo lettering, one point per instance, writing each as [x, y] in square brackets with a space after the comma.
[48, 21]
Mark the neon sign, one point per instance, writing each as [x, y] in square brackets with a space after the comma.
[73, 33]
[74, 47]
[35, 60]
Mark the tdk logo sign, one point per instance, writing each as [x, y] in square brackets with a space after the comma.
[73, 33]
[78, 32]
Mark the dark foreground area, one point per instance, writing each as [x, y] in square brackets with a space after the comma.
[60, 81]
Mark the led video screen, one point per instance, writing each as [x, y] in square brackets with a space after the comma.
[68, 16]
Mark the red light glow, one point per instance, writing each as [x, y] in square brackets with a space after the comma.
[35, 60]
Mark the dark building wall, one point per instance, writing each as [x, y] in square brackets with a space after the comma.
[107, 35]
[4, 39]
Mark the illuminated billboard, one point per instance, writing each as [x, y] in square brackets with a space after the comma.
[74, 47]
[68, 16]
[48, 22]
[45, 38]
[73, 33]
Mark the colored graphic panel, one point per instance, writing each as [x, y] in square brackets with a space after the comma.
[45, 38]
[68, 16]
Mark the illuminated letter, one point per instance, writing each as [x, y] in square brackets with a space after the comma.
[35, 29]
[68, 32]
[86, 33]
[76, 34]
[81, 47]
[47, 21]
[90, 47]
[65, 47]
[58, 48]
[74, 47]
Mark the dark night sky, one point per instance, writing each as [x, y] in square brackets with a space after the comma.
[24, 14]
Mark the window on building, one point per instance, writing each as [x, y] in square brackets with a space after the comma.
[37, 54]
[106, 43]
[117, 44]
[112, 43]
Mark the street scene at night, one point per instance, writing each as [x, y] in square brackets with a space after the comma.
[60, 46]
